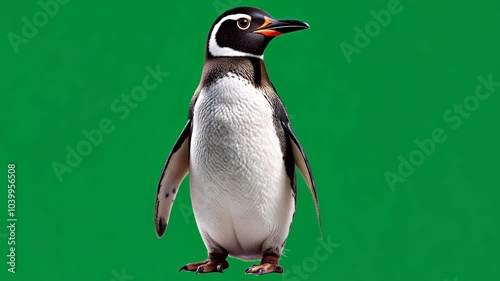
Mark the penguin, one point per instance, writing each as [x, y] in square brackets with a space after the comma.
[239, 149]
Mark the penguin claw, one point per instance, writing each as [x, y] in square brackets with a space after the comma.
[249, 269]
[185, 267]
[200, 269]
[260, 272]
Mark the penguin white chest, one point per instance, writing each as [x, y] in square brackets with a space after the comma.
[239, 186]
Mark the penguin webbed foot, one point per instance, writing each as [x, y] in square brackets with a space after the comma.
[213, 264]
[264, 269]
[268, 264]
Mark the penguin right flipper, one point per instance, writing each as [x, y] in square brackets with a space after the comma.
[302, 163]
[175, 170]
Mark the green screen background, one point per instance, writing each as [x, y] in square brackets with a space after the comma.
[354, 120]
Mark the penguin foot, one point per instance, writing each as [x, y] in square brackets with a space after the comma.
[210, 265]
[264, 268]
[268, 264]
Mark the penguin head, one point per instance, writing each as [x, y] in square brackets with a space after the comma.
[246, 32]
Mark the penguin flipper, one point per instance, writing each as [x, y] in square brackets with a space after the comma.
[302, 163]
[175, 170]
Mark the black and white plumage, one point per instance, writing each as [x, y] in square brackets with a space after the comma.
[239, 148]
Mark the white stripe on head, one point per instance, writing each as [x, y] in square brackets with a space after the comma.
[218, 51]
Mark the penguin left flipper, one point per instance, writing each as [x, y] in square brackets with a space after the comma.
[302, 163]
[175, 170]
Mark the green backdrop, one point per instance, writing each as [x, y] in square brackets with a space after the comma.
[396, 105]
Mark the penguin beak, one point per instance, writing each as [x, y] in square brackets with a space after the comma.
[273, 28]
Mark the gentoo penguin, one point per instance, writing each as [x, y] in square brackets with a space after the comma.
[239, 148]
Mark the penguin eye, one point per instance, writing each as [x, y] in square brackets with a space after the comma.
[243, 23]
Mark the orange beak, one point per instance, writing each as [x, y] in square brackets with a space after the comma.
[273, 28]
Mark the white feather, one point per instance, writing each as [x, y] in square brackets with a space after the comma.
[240, 190]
